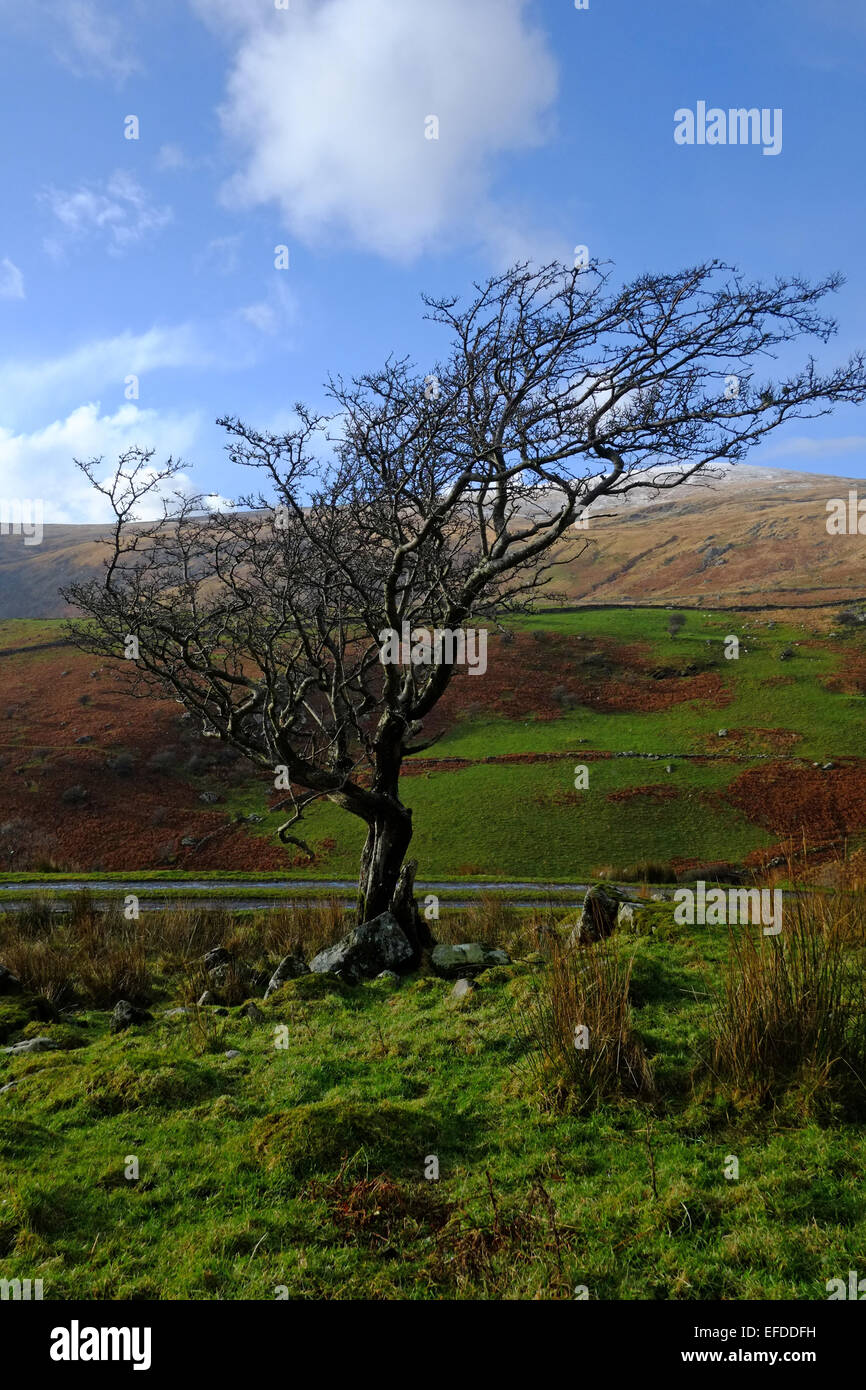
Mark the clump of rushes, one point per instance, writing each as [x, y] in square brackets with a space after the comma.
[577, 1030]
[791, 1009]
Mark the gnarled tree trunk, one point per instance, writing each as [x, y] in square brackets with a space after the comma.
[385, 883]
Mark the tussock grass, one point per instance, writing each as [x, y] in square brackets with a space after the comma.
[584, 989]
[792, 1008]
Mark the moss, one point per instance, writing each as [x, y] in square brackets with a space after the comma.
[113, 1090]
[316, 1138]
[16, 1011]
[312, 986]
[63, 1035]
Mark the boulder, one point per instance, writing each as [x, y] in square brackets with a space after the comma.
[223, 969]
[289, 968]
[19, 1049]
[126, 1016]
[366, 951]
[9, 983]
[462, 988]
[217, 959]
[465, 960]
[598, 917]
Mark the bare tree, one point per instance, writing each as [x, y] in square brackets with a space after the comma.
[435, 500]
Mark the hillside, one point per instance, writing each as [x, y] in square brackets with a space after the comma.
[751, 537]
[692, 758]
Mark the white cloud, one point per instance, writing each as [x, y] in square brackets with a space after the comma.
[803, 447]
[220, 255]
[121, 214]
[171, 157]
[41, 464]
[327, 106]
[54, 384]
[82, 34]
[11, 280]
[276, 311]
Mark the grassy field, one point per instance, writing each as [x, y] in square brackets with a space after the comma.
[495, 797]
[298, 1165]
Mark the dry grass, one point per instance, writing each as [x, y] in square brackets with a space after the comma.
[792, 1007]
[586, 988]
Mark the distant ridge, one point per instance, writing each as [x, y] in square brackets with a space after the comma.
[749, 537]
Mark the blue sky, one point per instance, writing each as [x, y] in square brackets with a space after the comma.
[260, 127]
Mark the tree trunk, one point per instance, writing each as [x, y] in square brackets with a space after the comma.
[388, 837]
[382, 887]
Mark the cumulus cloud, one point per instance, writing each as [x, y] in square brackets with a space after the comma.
[327, 105]
[40, 465]
[11, 280]
[120, 213]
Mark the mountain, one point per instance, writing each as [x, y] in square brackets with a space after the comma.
[750, 537]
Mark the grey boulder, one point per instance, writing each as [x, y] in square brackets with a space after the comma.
[366, 951]
[467, 959]
[598, 917]
[20, 1049]
[126, 1015]
[289, 968]
[9, 983]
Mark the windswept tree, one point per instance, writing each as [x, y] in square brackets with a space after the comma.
[437, 499]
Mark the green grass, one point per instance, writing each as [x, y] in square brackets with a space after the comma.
[303, 1167]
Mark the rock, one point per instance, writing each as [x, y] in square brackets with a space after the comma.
[387, 975]
[9, 983]
[598, 917]
[210, 798]
[826, 767]
[217, 956]
[10, 1086]
[85, 738]
[629, 917]
[366, 950]
[289, 968]
[126, 1016]
[232, 1052]
[253, 1013]
[466, 959]
[177, 1013]
[19, 1049]
[462, 988]
[207, 998]
[723, 733]
[668, 768]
